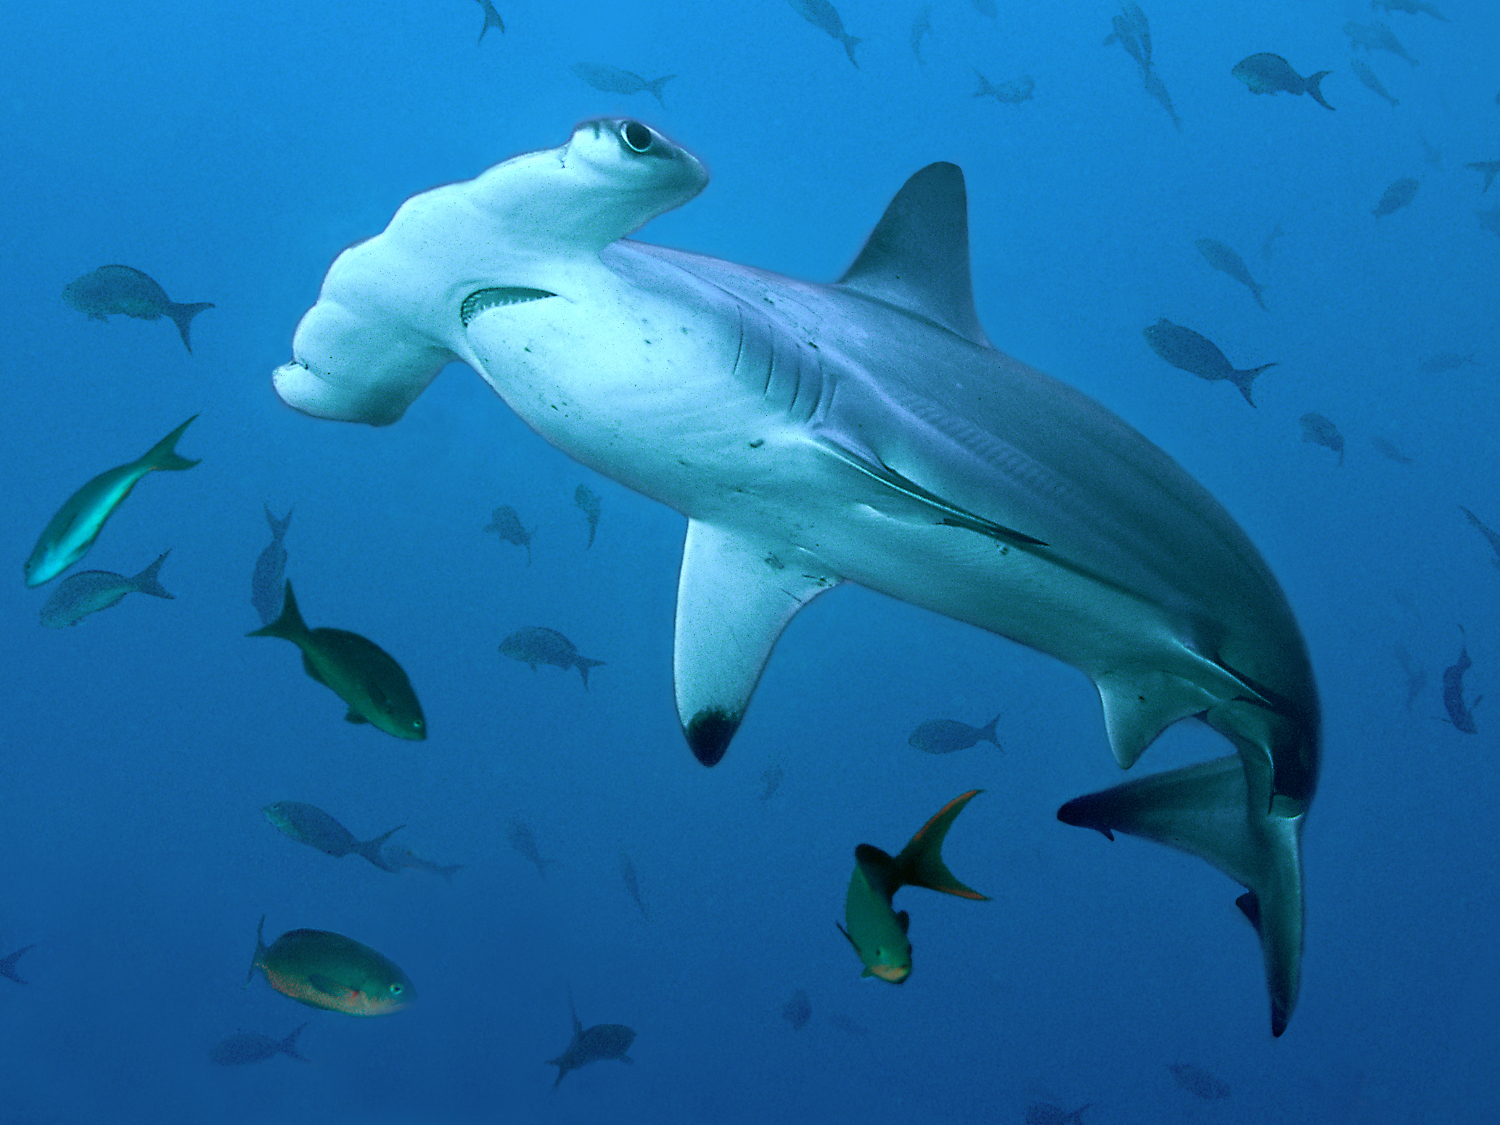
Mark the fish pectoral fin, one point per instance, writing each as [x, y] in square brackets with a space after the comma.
[327, 985]
[353, 716]
[1206, 810]
[1140, 703]
[734, 597]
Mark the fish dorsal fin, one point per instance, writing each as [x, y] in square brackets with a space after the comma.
[917, 257]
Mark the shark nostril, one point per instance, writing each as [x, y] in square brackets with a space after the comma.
[636, 136]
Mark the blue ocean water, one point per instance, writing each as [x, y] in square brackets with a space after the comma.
[231, 150]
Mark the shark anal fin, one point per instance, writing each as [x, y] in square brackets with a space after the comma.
[734, 597]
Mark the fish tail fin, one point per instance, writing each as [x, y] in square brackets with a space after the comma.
[288, 1046]
[983, 87]
[164, 455]
[260, 949]
[656, 84]
[583, 664]
[145, 581]
[1257, 291]
[370, 849]
[1208, 810]
[1313, 81]
[850, 42]
[920, 863]
[987, 733]
[182, 316]
[8, 964]
[562, 1068]
[491, 19]
[1243, 379]
[289, 626]
[279, 526]
[577, 1023]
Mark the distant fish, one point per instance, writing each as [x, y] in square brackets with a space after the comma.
[1459, 712]
[825, 17]
[944, 736]
[797, 1011]
[1447, 361]
[613, 80]
[1266, 73]
[1488, 169]
[591, 507]
[1320, 430]
[126, 290]
[72, 531]
[921, 27]
[89, 591]
[1187, 351]
[633, 885]
[1268, 245]
[1489, 220]
[491, 19]
[986, 8]
[1416, 675]
[1363, 72]
[1376, 37]
[1227, 261]
[1490, 534]
[330, 971]
[1133, 32]
[270, 570]
[1415, 7]
[1389, 449]
[1198, 1082]
[872, 925]
[310, 825]
[1398, 195]
[1045, 1113]
[397, 858]
[523, 841]
[537, 645]
[8, 964]
[1008, 93]
[505, 523]
[1430, 151]
[1158, 90]
[770, 781]
[245, 1047]
[356, 669]
[592, 1044]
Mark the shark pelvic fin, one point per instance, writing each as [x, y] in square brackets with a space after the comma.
[734, 597]
[1140, 703]
[917, 257]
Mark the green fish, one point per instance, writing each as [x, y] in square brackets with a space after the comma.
[873, 927]
[125, 289]
[78, 522]
[358, 671]
[325, 970]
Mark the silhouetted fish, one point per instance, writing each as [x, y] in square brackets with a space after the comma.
[825, 17]
[1363, 72]
[1187, 351]
[1416, 675]
[1320, 430]
[538, 645]
[1045, 1113]
[770, 780]
[944, 736]
[1227, 261]
[1397, 196]
[1415, 7]
[632, 884]
[398, 858]
[247, 1047]
[1459, 713]
[1010, 93]
[1390, 449]
[593, 1044]
[1268, 245]
[921, 26]
[1446, 361]
[1266, 73]
[1430, 152]
[1490, 534]
[128, 291]
[1488, 169]
[1158, 90]
[491, 19]
[8, 964]
[1198, 1082]
[270, 570]
[589, 504]
[1489, 220]
[523, 840]
[310, 825]
[505, 523]
[1376, 37]
[89, 591]
[613, 80]
[797, 1011]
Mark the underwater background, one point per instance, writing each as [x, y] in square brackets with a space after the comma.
[231, 150]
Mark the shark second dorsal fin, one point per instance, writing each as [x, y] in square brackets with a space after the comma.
[917, 257]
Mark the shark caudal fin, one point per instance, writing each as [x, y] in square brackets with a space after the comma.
[1207, 811]
[920, 863]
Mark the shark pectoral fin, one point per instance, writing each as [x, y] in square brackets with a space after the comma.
[1141, 703]
[734, 597]
[1206, 810]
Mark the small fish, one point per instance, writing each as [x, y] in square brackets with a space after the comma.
[1376, 37]
[89, 591]
[825, 17]
[1459, 712]
[1045, 1113]
[585, 500]
[505, 523]
[1187, 351]
[1266, 73]
[1227, 261]
[8, 964]
[126, 290]
[1490, 534]
[1268, 246]
[523, 840]
[310, 825]
[1008, 93]
[1416, 675]
[1488, 169]
[1158, 90]
[1389, 449]
[986, 8]
[944, 736]
[797, 1011]
[613, 80]
[355, 669]
[397, 858]
[592, 1044]
[1133, 32]
[1447, 361]
[491, 19]
[1415, 7]
[1199, 1082]
[537, 645]
[1397, 196]
[1363, 72]
[1320, 430]
[245, 1047]
[1489, 220]
[1430, 152]
[872, 925]
[770, 781]
[270, 570]
[70, 533]
[921, 26]
[330, 971]
[632, 884]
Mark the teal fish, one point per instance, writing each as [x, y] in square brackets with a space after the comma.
[1266, 73]
[270, 570]
[872, 925]
[126, 290]
[505, 523]
[71, 532]
[89, 591]
[330, 971]
[1371, 80]
[357, 670]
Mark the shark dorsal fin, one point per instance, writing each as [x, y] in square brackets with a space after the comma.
[917, 257]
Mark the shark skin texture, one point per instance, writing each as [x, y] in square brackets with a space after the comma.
[864, 431]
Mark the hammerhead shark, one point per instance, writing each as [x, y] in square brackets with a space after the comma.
[864, 431]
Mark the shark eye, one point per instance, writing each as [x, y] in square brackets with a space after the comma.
[636, 137]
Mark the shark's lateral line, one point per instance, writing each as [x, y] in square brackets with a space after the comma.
[864, 431]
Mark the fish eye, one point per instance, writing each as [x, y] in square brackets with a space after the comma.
[635, 136]
[396, 989]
